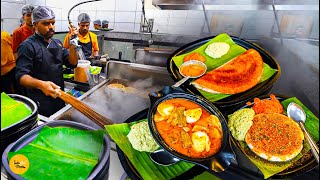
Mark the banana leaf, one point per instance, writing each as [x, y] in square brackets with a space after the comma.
[271, 168]
[141, 161]
[206, 175]
[12, 111]
[312, 122]
[234, 51]
[68, 76]
[62, 153]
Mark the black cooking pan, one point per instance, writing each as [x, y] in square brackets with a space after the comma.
[235, 99]
[220, 163]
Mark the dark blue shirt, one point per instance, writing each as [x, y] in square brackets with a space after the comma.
[30, 56]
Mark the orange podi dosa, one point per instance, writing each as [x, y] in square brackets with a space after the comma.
[236, 76]
[275, 137]
[188, 128]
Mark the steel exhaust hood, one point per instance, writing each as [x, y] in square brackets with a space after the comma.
[213, 4]
[223, 5]
[178, 4]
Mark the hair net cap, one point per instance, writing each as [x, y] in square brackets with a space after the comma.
[97, 22]
[42, 13]
[26, 9]
[83, 17]
[105, 22]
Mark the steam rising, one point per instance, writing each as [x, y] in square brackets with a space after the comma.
[118, 105]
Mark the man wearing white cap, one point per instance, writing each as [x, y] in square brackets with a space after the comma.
[26, 29]
[105, 24]
[40, 60]
[87, 39]
[97, 24]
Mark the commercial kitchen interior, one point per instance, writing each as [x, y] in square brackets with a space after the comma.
[287, 29]
[174, 23]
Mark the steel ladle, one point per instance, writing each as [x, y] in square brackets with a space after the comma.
[296, 113]
[187, 63]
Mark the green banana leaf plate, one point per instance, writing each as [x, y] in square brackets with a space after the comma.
[61, 150]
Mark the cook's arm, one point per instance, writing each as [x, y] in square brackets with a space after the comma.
[47, 87]
[66, 40]
[15, 55]
[16, 41]
[95, 53]
[73, 55]
[95, 47]
[72, 31]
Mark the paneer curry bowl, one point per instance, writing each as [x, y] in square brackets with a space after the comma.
[187, 126]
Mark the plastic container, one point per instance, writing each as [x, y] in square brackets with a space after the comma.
[81, 72]
[94, 75]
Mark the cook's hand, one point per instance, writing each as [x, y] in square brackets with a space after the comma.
[74, 41]
[73, 31]
[50, 89]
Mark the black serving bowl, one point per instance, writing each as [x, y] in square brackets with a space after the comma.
[31, 105]
[216, 163]
[20, 128]
[235, 99]
[100, 171]
[130, 169]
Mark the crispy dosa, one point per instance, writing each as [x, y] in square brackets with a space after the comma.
[236, 76]
[275, 137]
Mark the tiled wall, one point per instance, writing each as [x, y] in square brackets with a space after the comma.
[185, 22]
[126, 16]
[123, 15]
[244, 24]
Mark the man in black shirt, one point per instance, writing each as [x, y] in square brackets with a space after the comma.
[40, 60]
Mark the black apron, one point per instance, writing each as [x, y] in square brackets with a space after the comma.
[48, 67]
[86, 47]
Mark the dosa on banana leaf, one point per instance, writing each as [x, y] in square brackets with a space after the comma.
[234, 51]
